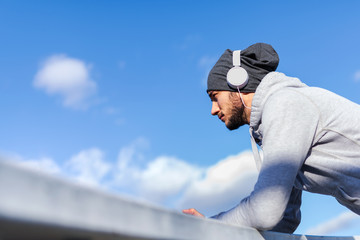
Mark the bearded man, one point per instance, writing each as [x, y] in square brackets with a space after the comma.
[310, 138]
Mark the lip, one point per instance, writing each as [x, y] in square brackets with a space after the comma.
[221, 118]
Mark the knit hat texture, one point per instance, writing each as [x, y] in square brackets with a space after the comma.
[258, 60]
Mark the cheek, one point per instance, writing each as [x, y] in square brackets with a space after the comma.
[222, 105]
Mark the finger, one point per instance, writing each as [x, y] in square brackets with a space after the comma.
[188, 211]
[193, 212]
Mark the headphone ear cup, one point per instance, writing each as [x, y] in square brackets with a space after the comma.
[237, 77]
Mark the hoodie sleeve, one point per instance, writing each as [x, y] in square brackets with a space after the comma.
[292, 215]
[289, 123]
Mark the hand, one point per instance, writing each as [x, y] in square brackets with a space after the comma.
[193, 212]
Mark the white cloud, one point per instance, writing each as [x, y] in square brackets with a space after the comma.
[176, 183]
[131, 154]
[44, 164]
[67, 77]
[335, 224]
[357, 76]
[88, 166]
[223, 185]
[168, 181]
[127, 167]
[166, 177]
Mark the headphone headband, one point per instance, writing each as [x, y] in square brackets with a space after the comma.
[236, 58]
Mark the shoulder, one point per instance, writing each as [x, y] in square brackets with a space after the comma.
[288, 98]
[290, 105]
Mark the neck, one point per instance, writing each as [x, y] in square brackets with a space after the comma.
[247, 100]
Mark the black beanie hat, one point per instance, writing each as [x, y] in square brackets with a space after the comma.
[258, 60]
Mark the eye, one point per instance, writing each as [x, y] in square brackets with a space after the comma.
[213, 97]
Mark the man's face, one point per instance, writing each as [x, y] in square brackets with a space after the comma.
[229, 109]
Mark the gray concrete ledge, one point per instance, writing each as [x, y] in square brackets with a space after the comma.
[39, 206]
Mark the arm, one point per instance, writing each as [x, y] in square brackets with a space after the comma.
[292, 216]
[289, 123]
[289, 222]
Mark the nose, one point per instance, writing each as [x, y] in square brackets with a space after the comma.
[215, 108]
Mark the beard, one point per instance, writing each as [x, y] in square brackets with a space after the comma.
[237, 118]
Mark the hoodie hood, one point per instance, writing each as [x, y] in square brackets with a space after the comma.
[272, 82]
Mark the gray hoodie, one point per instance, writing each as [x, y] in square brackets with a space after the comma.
[310, 139]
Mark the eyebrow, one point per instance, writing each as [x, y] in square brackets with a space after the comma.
[211, 94]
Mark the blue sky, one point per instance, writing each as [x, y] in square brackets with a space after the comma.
[112, 93]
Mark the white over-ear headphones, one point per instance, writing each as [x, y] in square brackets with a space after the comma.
[237, 77]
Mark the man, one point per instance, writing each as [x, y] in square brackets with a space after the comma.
[310, 139]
